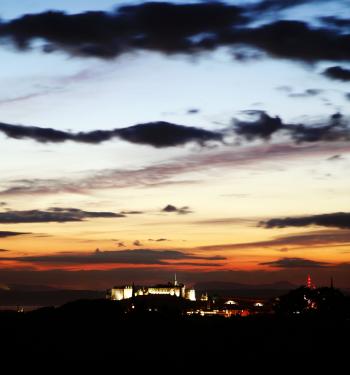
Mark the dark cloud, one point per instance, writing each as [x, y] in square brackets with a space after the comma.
[247, 54]
[3, 250]
[137, 256]
[2, 204]
[335, 158]
[294, 263]
[338, 73]
[164, 134]
[335, 129]
[335, 21]
[137, 243]
[4, 234]
[157, 134]
[38, 134]
[278, 5]
[295, 40]
[169, 208]
[164, 27]
[193, 111]
[339, 220]
[171, 28]
[347, 96]
[264, 127]
[179, 210]
[131, 212]
[55, 214]
[158, 239]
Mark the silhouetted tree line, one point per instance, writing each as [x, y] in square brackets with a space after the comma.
[321, 302]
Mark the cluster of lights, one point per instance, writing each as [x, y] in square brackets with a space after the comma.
[226, 313]
[230, 302]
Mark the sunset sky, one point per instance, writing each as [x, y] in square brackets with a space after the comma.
[143, 139]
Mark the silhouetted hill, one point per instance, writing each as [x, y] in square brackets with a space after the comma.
[231, 289]
[31, 288]
[49, 297]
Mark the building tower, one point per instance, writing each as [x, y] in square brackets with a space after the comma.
[309, 282]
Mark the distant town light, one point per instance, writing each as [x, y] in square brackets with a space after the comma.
[230, 302]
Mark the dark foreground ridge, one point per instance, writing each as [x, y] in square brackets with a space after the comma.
[158, 330]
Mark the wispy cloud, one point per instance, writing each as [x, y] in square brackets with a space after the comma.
[308, 93]
[158, 239]
[137, 256]
[167, 172]
[21, 98]
[228, 221]
[292, 241]
[4, 234]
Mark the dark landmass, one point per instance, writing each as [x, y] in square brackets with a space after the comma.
[155, 332]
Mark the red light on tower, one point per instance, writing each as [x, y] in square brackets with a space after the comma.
[309, 282]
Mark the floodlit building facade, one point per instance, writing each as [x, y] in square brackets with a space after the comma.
[172, 289]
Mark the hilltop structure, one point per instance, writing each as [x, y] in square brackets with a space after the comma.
[309, 283]
[176, 289]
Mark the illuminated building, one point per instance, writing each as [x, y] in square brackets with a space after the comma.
[258, 304]
[173, 289]
[119, 293]
[190, 294]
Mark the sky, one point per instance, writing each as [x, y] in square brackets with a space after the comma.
[138, 139]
